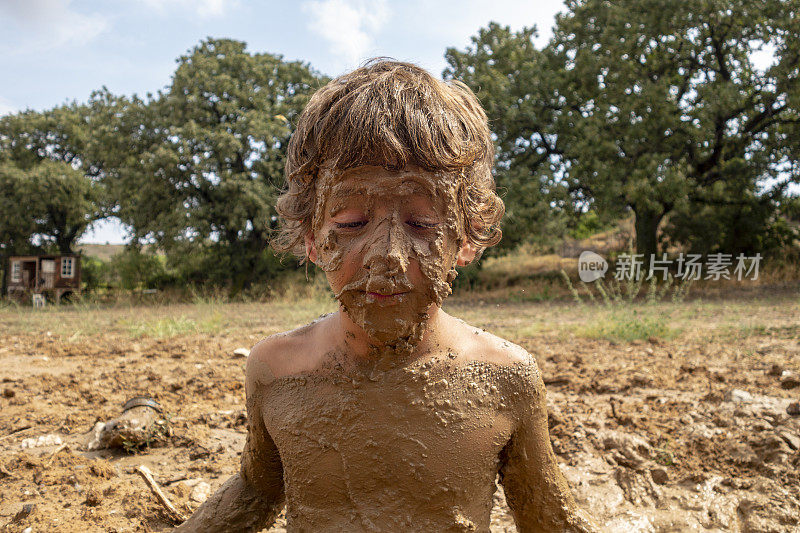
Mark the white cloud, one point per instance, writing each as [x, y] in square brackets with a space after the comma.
[348, 25]
[456, 20]
[203, 8]
[420, 30]
[46, 24]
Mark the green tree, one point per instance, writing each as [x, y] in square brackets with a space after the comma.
[127, 136]
[16, 225]
[647, 105]
[664, 108]
[514, 83]
[63, 202]
[209, 156]
[58, 134]
[49, 204]
[57, 187]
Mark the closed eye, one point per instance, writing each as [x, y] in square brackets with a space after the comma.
[350, 225]
[416, 224]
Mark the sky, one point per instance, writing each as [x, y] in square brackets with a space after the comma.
[54, 51]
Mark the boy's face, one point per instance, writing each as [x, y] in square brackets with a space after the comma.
[388, 242]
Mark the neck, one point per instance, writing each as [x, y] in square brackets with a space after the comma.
[358, 343]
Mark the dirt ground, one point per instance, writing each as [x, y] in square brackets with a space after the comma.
[688, 429]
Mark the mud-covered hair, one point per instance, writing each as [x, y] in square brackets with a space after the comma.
[391, 114]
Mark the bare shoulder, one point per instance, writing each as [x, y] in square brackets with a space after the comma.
[518, 371]
[283, 354]
[480, 345]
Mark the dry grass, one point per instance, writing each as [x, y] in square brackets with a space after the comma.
[732, 318]
[166, 320]
[522, 295]
[728, 320]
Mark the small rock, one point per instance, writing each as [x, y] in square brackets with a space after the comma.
[241, 352]
[42, 440]
[93, 498]
[641, 380]
[9, 393]
[793, 409]
[660, 475]
[200, 492]
[775, 370]
[738, 396]
[789, 380]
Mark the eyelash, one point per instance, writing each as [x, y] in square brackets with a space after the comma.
[361, 224]
[350, 225]
[421, 225]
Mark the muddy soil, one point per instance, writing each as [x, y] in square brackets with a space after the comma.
[653, 436]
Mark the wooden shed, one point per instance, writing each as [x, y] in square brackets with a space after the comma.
[54, 276]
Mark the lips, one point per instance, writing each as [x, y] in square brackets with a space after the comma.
[380, 297]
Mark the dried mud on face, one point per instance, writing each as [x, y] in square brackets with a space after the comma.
[686, 434]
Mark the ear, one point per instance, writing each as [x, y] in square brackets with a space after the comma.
[311, 247]
[466, 254]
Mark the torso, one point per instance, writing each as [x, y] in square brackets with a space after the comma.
[414, 449]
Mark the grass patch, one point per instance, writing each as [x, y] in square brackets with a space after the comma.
[163, 327]
[663, 454]
[628, 326]
[745, 331]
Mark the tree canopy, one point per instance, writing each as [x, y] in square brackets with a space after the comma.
[208, 155]
[653, 106]
[514, 84]
[44, 173]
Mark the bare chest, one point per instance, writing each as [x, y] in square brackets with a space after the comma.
[409, 444]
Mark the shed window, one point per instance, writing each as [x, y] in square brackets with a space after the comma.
[67, 267]
[16, 272]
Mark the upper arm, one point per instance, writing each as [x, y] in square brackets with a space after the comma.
[250, 500]
[536, 491]
[261, 463]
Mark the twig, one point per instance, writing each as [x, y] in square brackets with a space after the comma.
[176, 515]
[56, 452]
[556, 380]
[16, 431]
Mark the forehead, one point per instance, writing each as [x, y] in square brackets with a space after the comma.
[373, 181]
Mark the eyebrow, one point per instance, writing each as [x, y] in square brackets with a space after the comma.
[417, 186]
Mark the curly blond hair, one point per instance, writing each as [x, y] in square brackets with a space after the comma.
[389, 113]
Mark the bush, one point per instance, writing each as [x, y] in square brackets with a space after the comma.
[94, 273]
[133, 270]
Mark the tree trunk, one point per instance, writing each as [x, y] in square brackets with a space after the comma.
[4, 275]
[646, 232]
[65, 239]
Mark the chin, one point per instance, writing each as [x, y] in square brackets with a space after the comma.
[393, 321]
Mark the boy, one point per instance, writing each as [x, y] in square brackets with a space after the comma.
[390, 415]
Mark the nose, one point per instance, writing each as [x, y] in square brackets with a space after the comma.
[388, 252]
